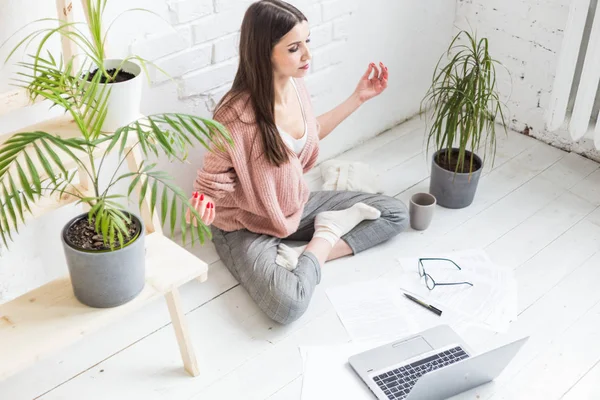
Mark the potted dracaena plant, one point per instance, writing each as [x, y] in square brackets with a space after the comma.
[104, 247]
[466, 108]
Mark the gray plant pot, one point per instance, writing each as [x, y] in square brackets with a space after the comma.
[104, 279]
[454, 190]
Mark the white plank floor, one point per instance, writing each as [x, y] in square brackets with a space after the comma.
[537, 210]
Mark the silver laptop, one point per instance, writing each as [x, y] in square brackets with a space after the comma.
[431, 365]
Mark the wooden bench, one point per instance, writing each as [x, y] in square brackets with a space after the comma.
[50, 318]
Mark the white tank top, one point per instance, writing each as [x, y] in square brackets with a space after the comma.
[296, 145]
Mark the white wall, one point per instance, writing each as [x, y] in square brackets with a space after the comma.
[526, 36]
[200, 51]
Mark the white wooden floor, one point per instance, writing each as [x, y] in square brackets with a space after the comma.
[537, 210]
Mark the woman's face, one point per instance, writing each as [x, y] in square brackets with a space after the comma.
[291, 55]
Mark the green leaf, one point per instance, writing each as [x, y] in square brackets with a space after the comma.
[26, 204]
[123, 141]
[147, 168]
[7, 159]
[200, 232]
[24, 182]
[111, 234]
[143, 192]
[119, 222]
[9, 206]
[133, 184]
[17, 195]
[183, 223]
[4, 227]
[45, 163]
[197, 136]
[115, 139]
[176, 127]
[96, 208]
[153, 197]
[104, 226]
[173, 215]
[160, 137]
[164, 205]
[98, 218]
[141, 135]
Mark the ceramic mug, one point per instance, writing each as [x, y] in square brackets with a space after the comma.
[421, 210]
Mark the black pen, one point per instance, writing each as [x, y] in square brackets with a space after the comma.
[427, 306]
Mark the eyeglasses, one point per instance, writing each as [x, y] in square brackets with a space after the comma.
[430, 282]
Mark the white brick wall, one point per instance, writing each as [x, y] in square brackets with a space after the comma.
[525, 35]
[223, 5]
[217, 25]
[321, 35]
[321, 82]
[215, 95]
[337, 8]
[341, 28]
[226, 48]
[160, 45]
[205, 79]
[312, 10]
[203, 54]
[182, 11]
[178, 64]
[332, 54]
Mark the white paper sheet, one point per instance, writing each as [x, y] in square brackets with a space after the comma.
[491, 301]
[373, 311]
[327, 374]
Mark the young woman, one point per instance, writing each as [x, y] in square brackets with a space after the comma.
[254, 194]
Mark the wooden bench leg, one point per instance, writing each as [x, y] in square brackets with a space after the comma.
[203, 277]
[181, 332]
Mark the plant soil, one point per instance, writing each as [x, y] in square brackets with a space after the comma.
[450, 163]
[83, 235]
[122, 76]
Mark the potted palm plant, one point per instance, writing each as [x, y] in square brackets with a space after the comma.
[123, 76]
[104, 247]
[466, 108]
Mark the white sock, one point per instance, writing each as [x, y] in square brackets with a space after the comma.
[286, 257]
[331, 225]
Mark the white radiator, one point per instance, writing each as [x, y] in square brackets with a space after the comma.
[575, 99]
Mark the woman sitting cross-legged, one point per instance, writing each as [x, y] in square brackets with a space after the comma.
[253, 194]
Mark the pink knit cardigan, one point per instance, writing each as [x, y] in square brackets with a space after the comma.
[249, 192]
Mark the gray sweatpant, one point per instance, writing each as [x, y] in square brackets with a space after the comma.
[284, 295]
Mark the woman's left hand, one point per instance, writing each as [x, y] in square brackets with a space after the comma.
[370, 87]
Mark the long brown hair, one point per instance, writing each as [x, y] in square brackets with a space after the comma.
[264, 24]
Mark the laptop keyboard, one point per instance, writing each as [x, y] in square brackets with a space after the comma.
[398, 382]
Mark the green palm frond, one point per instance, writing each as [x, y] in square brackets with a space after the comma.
[85, 100]
[173, 132]
[465, 103]
[156, 185]
[18, 154]
[15, 200]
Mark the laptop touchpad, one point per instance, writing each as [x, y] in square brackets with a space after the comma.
[405, 349]
[394, 353]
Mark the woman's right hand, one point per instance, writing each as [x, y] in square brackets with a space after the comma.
[205, 206]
